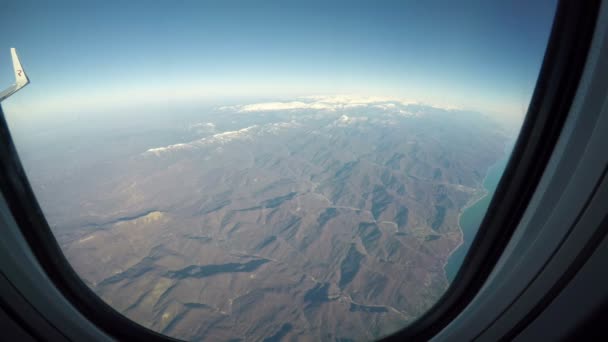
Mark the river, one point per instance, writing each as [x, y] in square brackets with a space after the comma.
[472, 216]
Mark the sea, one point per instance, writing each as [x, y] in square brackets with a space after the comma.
[471, 218]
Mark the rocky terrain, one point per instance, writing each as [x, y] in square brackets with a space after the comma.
[314, 219]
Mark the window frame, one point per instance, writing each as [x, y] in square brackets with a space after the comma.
[561, 229]
[562, 67]
[561, 71]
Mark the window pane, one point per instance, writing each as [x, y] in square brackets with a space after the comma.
[250, 171]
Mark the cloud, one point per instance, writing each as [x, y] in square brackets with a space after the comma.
[278, 106]
[202, 125]
[329, 103]
[346, 120]
[382, 111]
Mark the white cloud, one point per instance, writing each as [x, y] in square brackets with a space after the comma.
[275, 106]
[327, 103]
[203, 125]
[339, 105]
[346, 120]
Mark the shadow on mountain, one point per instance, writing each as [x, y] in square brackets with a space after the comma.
[194, 271]
[350, 266]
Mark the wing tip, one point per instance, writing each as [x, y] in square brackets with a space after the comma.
[21, 79]
[20, 75]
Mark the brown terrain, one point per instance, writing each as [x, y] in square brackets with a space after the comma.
[328, 223]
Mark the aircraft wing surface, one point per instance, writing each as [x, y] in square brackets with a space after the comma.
[21, 79]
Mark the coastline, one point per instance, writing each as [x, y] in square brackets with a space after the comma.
[472, 202]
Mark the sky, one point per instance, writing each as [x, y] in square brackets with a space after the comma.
[85, 57]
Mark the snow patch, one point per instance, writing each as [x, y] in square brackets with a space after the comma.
[224, 137]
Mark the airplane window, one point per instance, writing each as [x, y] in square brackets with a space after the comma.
[269, 170]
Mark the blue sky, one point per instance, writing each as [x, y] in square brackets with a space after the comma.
[82, 56]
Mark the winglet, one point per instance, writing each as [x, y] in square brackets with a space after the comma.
[20, 76]
[21, 79]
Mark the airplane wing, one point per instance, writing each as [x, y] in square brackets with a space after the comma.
[21, 79]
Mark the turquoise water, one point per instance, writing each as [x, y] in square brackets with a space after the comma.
[472, 216]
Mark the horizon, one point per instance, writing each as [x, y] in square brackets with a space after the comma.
[83, 58]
